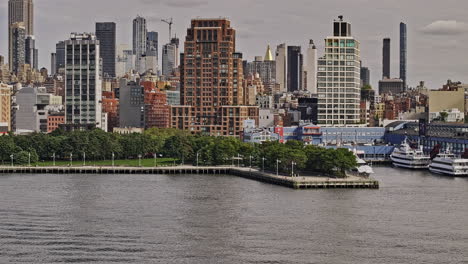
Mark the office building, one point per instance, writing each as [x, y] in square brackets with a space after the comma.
[83, 81]
[59, 56]
[31, 53]
[391, 86]
[18, 46]
[403, 52]
[280, 58]
[211, 82]
[19, 11]
[139, 40]
[106, 34]
[311, 68]
[53, 65]
[339, 78]
[365, 76]
[386, 59]
[294, 68]
[265, 68]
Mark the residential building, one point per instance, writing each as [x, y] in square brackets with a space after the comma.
[110, 105]
[139, 39]
[106, 34]
[5, 104]
[156, 107]
[54, 120]
[17, 46]
[386, 59]
[131, 104]
[403, 53]
[83, 91]
[211, 82]
[173, 97]
[295, 68]
[311, 68]
[19, 11]
[339, 78]
[169, 52]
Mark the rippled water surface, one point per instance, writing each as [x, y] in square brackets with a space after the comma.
[415, 217]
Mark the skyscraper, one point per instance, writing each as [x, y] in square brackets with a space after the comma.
[281, 67]
[31, 53]
[365, 76]
[265, 68]
[311, 68]
[386, 59]
[152, 44]
[18, 47]
[82, 81]
[168, 59]
[294, 68]
[139, 39]
[106, 34]
[60, 56]
[53, 63]
[19, 11]
[211, 81]
[403, 52]
[339, 78]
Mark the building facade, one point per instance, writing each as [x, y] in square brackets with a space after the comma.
[311, 68]
[139, 39]
[339, 78]
[211, 82]
[281, 66]
[31, 55]
[386, 59]
[403, 52]
[106, 34]
[391, 86]
[19, 11]
[83, 93]
[131, 104]
[168, 59]
[295, 68]
[5, 104]
[365, 76]
[17, 46]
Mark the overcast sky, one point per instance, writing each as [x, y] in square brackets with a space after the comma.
[437, 30]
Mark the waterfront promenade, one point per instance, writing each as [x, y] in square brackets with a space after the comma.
[301, 182]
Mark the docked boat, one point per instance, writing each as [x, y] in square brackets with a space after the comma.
[449, 164]
[362, 167]
[406, 157]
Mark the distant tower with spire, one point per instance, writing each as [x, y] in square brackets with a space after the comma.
[311, 68]
[265, 67]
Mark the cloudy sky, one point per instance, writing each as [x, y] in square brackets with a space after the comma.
[437, 30]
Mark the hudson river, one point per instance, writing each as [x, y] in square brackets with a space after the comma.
[415, 217]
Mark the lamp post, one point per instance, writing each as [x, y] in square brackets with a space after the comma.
[29, 159]
[263, 164]
[71, 159]
[84, 158]
[12, 159]
[292, 168]
[197, 157]
[53, 159]
[277, 166]
[139, 160]
[238, 160]
[155, 159]
[113, 156]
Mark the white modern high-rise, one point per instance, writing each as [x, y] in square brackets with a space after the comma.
[338, 78]
[83, 83]
[139, 39]
[281, 66]
[169, 56]
[311, 68]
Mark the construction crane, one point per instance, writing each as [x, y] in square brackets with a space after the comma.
[169, 22]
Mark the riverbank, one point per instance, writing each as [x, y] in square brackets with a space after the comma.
[302, 182]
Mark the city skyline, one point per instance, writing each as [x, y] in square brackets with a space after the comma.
[256, 32]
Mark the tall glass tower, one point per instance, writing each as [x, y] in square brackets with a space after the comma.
[339, 78]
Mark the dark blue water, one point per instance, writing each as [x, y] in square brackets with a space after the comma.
[415, 217]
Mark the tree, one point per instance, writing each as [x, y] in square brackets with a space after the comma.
[443, 116]
[366, 87]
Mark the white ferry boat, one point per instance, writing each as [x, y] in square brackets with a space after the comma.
[447, 163]
[406, 157]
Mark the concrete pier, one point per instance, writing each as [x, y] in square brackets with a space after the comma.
[302, 182]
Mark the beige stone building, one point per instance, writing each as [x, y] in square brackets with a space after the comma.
[5, 104]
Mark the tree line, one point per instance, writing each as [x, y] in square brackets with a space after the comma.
[172, 143]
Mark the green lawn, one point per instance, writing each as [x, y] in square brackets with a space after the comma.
[123, 163]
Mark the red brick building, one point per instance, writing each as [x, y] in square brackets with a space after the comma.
[54, 120]
[156, 108]
[110, 105]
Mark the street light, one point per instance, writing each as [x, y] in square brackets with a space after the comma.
[238, 160]
[29, 159]
[53, 158]
[113, 156]
[84, 158]
[139, 160]
[197, 157]
[277, 166]
[71, 159]
[155, 159]
[263, 164]
[292, 168]
[12, 159]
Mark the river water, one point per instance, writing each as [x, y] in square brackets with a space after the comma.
[415, 217]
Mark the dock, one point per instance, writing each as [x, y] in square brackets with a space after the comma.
[301, 182]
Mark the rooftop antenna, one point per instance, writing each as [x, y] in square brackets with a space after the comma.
[169, 22]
